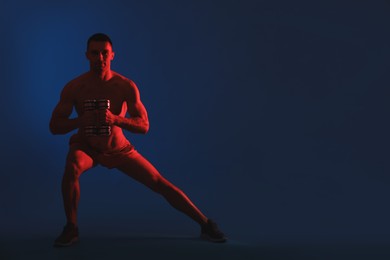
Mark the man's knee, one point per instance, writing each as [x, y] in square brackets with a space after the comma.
[161, 185]
[73, 170]
[76, 163]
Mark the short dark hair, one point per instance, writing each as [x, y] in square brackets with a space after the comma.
[99, 37]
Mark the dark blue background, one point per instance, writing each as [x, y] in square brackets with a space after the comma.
[271, 115]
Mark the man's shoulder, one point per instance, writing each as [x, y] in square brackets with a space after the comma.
[72, 87]
[121, 78]
[73, 84]
[123, 81]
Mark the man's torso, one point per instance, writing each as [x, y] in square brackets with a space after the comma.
[88, 88]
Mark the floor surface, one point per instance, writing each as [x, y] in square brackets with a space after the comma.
[180, 247]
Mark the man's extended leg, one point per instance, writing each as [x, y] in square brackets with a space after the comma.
[142, 170]
[77, 162]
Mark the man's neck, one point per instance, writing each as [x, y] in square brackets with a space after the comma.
[102, 75]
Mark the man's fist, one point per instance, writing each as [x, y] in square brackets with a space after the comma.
[105, 117]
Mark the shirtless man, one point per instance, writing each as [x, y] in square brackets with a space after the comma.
[111, 150]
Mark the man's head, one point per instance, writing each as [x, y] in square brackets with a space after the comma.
[99, 37]
[99, 52]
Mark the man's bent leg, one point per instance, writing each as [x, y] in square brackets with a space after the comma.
[137, 167]
[77, 162]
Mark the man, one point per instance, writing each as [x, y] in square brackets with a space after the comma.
[102, 99]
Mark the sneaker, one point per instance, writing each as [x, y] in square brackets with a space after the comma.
[211, 232]
[69, 235]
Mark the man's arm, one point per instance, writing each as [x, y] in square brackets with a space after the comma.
[60, 122]
[138, 121]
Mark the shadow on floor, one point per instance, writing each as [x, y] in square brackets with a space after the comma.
[183, 248]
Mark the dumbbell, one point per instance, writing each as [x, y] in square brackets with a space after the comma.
[98, 129]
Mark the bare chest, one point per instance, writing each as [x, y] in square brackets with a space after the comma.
[112, 92]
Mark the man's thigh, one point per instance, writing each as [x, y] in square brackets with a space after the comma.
[80, 158]
[139, 168]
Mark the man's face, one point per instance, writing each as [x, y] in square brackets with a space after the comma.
[100, 55]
